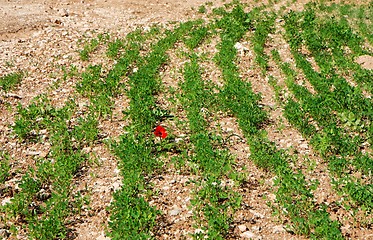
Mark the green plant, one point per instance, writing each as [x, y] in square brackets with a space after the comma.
[92, 45]
[212, 201]
[331, 108]
[131, 215]
[202, 9]
[4, 166]
[11, 80]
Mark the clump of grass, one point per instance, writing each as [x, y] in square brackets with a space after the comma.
[4, 166]
[202, 9]
[92, 45]
[11, 80]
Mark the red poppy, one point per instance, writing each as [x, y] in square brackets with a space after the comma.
[160, 132]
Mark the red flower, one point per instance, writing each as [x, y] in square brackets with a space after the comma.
[160, 132]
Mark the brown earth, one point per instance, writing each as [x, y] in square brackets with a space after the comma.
[39, 36]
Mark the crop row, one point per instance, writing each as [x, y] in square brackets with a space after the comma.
[216, 201]
[131, 215]
[46, 200]
[342, 113]
[294, 193]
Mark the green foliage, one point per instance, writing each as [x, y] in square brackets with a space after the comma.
[294, 193]
[40, 115]
[343, 115]
[196, 37]
[92, 45]
[4, 166]
[263, 26]
[114, 47]
[361, 194]
[202, 9]
[131, 216]
[11, 80]
[237, 95]
[217, 203]
[335, 118]
[297, 117]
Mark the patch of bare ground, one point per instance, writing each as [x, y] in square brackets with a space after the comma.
[173, 186]
[365, 61]
[173, 195]
[40, 56]
[98, 182]
[101, 177]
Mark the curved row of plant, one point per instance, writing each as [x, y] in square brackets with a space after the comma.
[131, 215]
[213, 202]
[294, 194]
[342, 114]
[46, 199]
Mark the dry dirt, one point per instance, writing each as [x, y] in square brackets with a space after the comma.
[38, 35]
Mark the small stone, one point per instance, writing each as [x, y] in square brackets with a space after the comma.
[175, 211]
[102, 237]
[87, 150]
[33, 153]
[278, 229]
[271, 197]
[240, 47]
[14, 95]
[242, 228]
[256, 214]
[43, 131]
[64, 12]
[256, 228]
[178, 140]
[6, 201]
[116, 186]
[303, 146]
[247, 235]
[43, 154]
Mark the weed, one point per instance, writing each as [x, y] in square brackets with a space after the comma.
[202, 9]
[11, 80]
[90, 46]
[4, 166]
